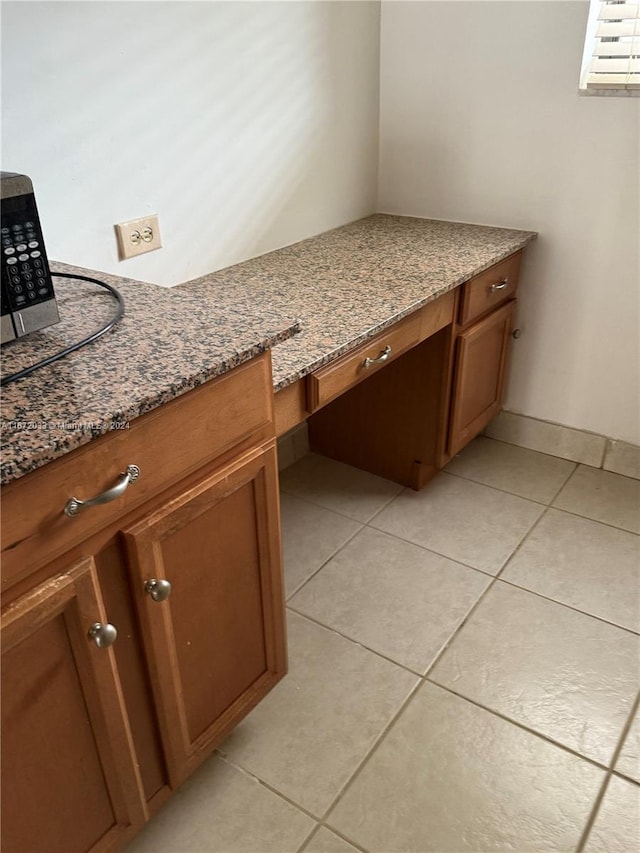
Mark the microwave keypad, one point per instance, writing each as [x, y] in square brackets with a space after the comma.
[26, 270]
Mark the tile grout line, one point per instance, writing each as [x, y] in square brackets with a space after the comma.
[506, 491]
[625, 731]
[367, 757]
[328, 560]
[484, 434]
[540, 735]
[355, 642]
[457, 562]
[223, 756]
[431, 551]
[555, 497]
[425, 678]
[596, 520]
[311, 502]
[593, 815]
[314, 831]
[450, 640]
[571, 607]
[478, 483]
[625, 778]
[321, 825]
[322, 821]
[344, 837]
[365, 760]
[317, 621]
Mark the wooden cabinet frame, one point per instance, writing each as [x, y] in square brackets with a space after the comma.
[478, 385]
[96, 738]
[256, 470]
[75, 595]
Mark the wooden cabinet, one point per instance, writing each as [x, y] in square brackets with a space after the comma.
[69, 775]
[480, 348]
[407, 416]
[479, 376]
[329, 382]
[215, 645]
[94, 738]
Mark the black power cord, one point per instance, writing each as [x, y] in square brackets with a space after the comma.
[13, 377]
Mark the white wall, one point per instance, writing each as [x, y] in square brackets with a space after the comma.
[245, 126]
[480, 121]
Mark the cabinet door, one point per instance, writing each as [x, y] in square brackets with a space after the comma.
[479, 376]
[69, 778]
[216, 645]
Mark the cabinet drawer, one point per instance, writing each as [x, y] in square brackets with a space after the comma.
[166, 444]
[329, 382]
[489, 289]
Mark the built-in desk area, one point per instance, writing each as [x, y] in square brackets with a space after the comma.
[400, 398]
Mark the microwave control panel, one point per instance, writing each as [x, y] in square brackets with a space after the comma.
[28, 299]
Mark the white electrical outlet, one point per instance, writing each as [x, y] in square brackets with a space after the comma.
[138, 236]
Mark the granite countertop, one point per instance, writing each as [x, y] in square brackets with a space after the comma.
[166, 344]
[336, 289]
[348, 284]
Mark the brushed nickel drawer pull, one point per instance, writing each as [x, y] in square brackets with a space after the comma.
[499, 286]
[74, 505]
[384, 355]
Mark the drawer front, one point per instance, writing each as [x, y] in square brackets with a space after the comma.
[166, 444]
[329, 382]
[491, 288]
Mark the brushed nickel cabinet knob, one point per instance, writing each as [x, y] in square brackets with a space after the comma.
[103, 635]
[159, 590]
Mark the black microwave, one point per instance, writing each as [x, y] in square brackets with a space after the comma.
[28, 300]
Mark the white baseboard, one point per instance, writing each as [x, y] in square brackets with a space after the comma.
[598, 451]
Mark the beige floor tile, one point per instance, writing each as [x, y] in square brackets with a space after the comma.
[566, 675]
[309, 734]
[513, 469]
[325, 841]
[223, 809]
[602, 496]
[392, 596]
[462, 520]
[629, 759]
[450, 776]
[584, 564]
[617, 825]
[341, 488]
[310, 535]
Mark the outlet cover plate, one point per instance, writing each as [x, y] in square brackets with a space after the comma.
[138, 236]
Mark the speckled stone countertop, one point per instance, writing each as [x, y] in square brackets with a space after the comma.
[344, 286]
[350, 283]
[166, 344]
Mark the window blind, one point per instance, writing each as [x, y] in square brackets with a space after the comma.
[612, 49]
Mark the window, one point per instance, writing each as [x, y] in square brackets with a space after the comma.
[611, 60]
